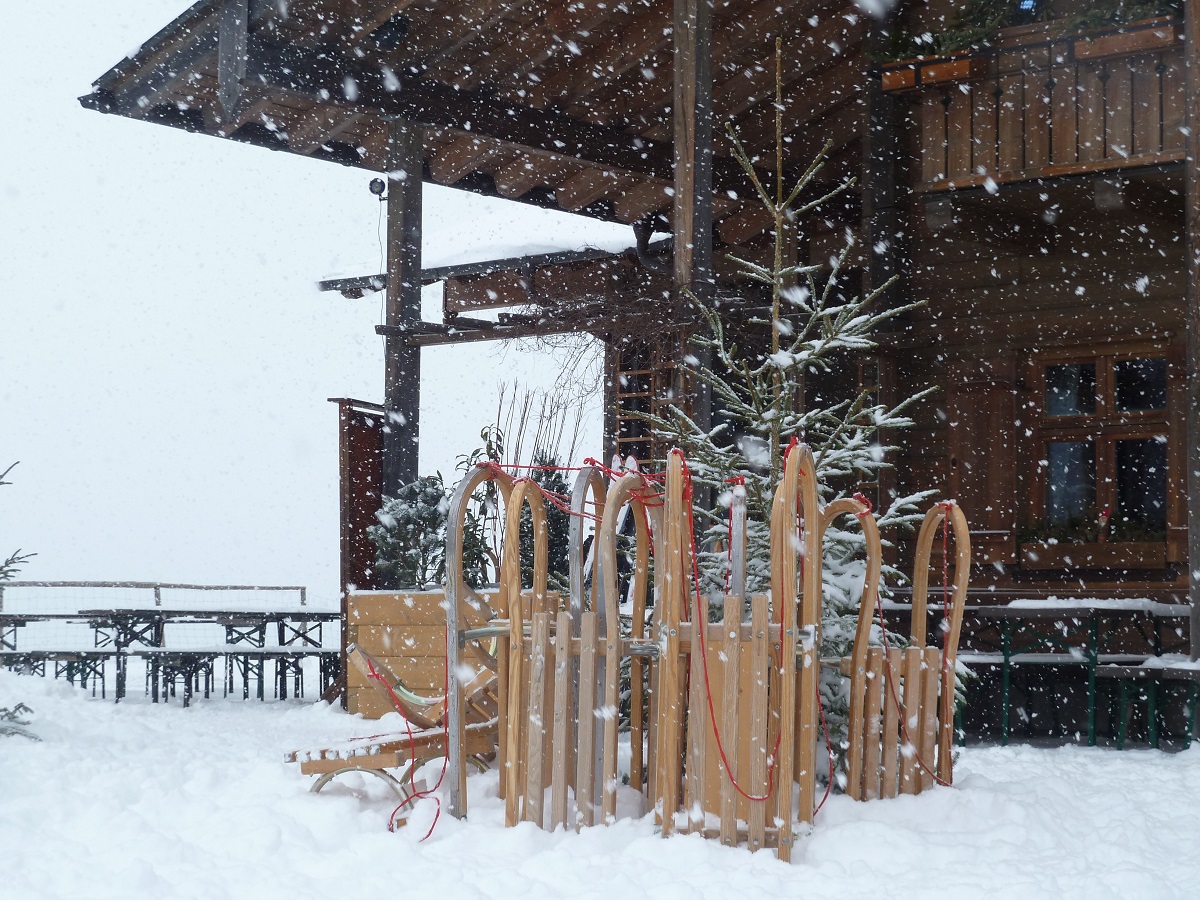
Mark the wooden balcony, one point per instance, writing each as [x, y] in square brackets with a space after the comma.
[1043, 105]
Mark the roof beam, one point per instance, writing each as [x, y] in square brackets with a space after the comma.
[145, 90]
[326, 77]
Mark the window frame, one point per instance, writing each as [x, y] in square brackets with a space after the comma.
[1105, 427]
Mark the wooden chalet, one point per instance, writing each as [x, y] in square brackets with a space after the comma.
[1040, 195]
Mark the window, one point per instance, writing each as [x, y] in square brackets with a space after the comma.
[1100, 447]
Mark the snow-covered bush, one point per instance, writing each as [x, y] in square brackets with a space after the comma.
[410, 539]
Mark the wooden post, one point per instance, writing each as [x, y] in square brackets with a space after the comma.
[1192, 210]
[692, 213]
[402, 377]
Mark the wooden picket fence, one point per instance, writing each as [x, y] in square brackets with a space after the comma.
[725, 716]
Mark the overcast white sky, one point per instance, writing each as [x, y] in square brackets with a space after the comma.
[165, 358]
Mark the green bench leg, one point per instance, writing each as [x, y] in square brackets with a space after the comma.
[1193, 689]
[1093, 659]
[1122, 713]
[1006, 649]
[1152, 711]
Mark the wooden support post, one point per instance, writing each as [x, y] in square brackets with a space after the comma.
[692, 215]
[402, 378]
[1192, 204]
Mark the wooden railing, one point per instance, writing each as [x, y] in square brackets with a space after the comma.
[1042, 105]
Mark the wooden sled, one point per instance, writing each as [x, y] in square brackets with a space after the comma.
[398, 651]
[565, 663]
[753, 679]
[902, 700]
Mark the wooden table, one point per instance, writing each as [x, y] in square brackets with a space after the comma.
[298, 633]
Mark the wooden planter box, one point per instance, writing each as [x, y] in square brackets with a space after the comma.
[1108, 555]
[1121, 43]
[931, 70]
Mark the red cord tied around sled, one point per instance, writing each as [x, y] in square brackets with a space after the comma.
[414, 793]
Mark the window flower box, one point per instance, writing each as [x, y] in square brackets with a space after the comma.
[1106, 555]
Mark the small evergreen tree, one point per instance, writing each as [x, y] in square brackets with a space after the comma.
[11, 721]
[759, 398]
[12, 565]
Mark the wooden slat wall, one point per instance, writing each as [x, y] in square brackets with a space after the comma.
[1039, 112]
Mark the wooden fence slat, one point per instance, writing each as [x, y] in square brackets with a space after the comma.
[637, 722]
[1173, 101]
[958, 132]
[535, 784]
[1064, 146]
[933, 137]
[1118, 115]
[1037, 108]
[873, 730]
[1147, 104]
[671, 700]
[585, 755]
[946, 705]
[608, 726]
[856, 736]
[503, 753]
[910, 734]
[1011, 124]
[760, 665]
[697, 728]
[1091, 112]
[983, 127]
[563, 717]
[889, 740]
[931, 676]
[730, 730]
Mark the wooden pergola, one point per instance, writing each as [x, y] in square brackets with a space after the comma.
[600, 109]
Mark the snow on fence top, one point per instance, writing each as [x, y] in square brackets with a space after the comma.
[62, 597]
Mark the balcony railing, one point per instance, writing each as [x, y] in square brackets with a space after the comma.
[1043, 105]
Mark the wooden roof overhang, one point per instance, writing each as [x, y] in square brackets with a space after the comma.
[563, 104]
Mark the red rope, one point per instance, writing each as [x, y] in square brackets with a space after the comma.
[415, 794]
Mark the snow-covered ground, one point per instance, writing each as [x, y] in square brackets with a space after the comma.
[138, 800]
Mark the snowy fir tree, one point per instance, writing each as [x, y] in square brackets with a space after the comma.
[410, 539]
[10, 566]
[813, 328]
[11, 721]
